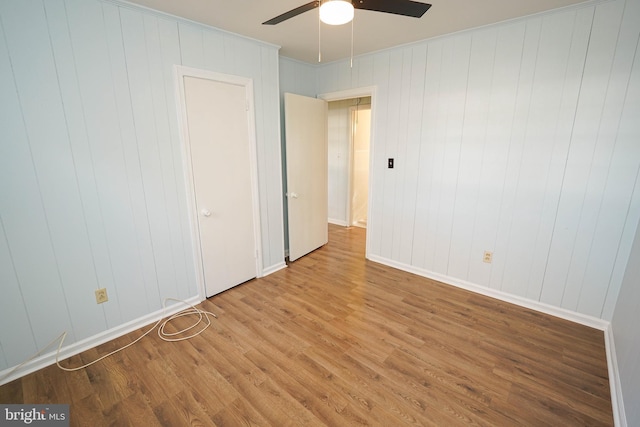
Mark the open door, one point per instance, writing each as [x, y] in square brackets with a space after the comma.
[307, 176]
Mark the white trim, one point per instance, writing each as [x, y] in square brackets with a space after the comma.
[180, 72]
[562, 313]
[181, 19]
[95, 340]
[274, 268]
[284, 245]
[339, 222]
[349, 94]
[359, 93]
[542, 14]
[617, 403]
[255, 187]
[351, 168]
[349, 195]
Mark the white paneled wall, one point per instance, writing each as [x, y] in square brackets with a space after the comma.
[93, 187]
[627, 341]
[522, 139]
[297, 77]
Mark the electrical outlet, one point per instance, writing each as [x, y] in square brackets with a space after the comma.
[101, 295]
[487, 257]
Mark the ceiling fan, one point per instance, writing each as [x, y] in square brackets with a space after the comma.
[397, 7]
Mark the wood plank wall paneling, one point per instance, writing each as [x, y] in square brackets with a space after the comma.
[294, 77]
[524, 146]
[625, 330]
[29, 226]
[412, 151]
[622, 119]
[91, 163]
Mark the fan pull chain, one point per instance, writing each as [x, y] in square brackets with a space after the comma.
[352, 41]
[319, 38]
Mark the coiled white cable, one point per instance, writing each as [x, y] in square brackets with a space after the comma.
[203, 316]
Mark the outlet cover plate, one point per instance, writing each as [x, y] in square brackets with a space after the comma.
[101, 295]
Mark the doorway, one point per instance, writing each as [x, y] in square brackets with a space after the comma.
[220, 164]
[353, 94]
[349, 134]
[358, 203]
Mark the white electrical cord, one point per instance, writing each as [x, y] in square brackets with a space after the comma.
[165, 336]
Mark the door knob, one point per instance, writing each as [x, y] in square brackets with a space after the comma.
[205, 212]
[294, 195]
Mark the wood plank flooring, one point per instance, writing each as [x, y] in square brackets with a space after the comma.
[337, 340]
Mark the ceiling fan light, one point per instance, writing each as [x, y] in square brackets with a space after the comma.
[336, 12]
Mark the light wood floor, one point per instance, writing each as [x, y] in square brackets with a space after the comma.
[336, 340]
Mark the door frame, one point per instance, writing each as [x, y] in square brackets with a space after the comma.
[180, 72]
[351, 168]
[360, 93]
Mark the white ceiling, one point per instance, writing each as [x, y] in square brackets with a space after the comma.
[298, 36]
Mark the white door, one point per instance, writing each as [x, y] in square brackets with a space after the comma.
[307, 176]
[218, 132]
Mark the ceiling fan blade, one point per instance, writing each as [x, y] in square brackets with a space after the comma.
[397, 7]
[293, 12]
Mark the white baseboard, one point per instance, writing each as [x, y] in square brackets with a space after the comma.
[338, 222]
[617, 403]
[573, 316]
[93, 341]
[274, 268]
